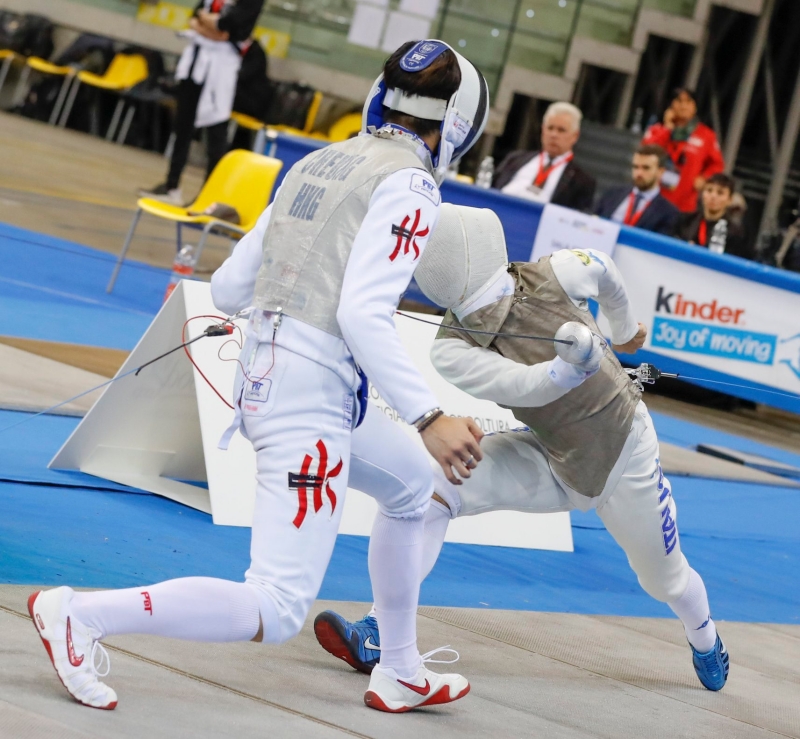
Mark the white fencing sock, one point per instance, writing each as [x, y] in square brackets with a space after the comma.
[196, 608]
[693, 610]
[437, 519]
[395, 560]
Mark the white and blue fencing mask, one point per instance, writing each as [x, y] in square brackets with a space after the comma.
[465, 254]
[463, 116]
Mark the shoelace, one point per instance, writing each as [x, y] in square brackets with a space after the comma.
[98, 647]
[427, 656]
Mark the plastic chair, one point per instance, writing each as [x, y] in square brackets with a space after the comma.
[308, 125]
[42, 66]
[242, 179]
[346, 127]
[125, 71]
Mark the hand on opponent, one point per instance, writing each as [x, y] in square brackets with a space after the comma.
[455, 444]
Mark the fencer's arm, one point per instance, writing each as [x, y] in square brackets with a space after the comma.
[599, 280]
[233, 284]
[487, 375]
[381, 265]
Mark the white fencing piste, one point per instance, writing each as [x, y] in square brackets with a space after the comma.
[159, 431]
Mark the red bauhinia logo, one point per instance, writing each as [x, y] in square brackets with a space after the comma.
[74, 660]
[318, 483]
[148, 604]
[407, 237]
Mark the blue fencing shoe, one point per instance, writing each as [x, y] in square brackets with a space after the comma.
[358, 643]
[712, 667]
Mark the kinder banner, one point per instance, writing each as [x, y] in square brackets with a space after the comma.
[714, 325]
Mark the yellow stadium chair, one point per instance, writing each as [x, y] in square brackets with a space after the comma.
[311, 119]
[346, 127]
[242, 179]
[42, 66]
[124, 72]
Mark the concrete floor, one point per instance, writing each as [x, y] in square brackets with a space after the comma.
[78, 187]
[559, 676]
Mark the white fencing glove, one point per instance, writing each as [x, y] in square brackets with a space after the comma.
[566, 375]
[592, 363]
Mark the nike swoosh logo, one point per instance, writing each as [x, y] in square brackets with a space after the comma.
[416, 688]
[74, 660]
[369, 644]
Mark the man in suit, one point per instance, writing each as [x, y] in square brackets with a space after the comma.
[550, 175]
[643, 206]
[714, 224]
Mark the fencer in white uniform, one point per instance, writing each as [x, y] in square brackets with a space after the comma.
[589, 441]
[322, 273]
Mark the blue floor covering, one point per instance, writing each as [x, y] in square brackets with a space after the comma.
[744, 539]
[55, 290]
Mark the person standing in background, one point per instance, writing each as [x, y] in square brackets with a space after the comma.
[207, 71]
[692, 148]
[643, 206]
[550, 175]
[711, 225]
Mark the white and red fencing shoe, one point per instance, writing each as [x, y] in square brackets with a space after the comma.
[387, 692]
[72, 648]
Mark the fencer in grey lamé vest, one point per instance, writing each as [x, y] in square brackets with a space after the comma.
[585, 430]
[315, 218]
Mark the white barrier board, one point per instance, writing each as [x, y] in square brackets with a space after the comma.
[159, 431]
[564, 228]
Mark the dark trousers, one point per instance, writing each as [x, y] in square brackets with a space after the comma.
[188, 96]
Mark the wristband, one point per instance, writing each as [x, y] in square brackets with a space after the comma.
[428, 418]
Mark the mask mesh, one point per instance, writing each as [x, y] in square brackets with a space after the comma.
[466, 249]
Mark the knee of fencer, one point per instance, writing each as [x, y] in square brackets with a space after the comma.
[446, 491]
[669, 587]
[413, 495]
[281, 618]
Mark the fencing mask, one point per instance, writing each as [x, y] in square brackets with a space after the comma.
[465, 254]
[463, 116]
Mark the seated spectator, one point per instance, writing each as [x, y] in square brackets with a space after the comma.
[643, 206]
[550, 175]
[692, 148]
[712, 225]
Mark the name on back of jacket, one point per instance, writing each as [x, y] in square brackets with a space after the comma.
[330, 164]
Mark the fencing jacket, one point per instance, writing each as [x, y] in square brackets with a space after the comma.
[382, 258]
[584, 429]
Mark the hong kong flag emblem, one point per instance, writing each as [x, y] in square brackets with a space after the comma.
[319, 483]
[407, 237]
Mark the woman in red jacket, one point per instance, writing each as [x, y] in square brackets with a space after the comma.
[692, 147]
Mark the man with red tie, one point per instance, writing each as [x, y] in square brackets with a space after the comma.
[642, 206]
[550, 175]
